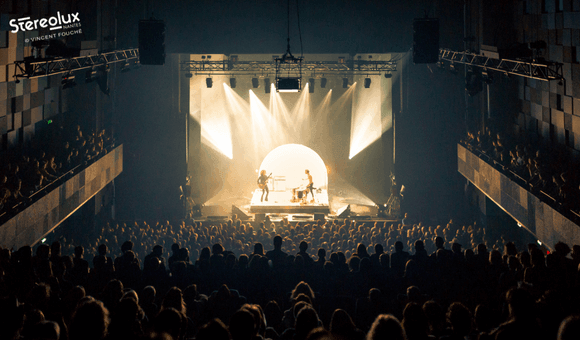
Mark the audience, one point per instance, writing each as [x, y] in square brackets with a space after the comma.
[28, 170]
[536, 167]
[367, 285]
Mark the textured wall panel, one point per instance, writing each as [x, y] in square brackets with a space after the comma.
[31, 224]
[547, 224]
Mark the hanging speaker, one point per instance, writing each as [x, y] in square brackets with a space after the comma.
[425, 41]
[152, 42]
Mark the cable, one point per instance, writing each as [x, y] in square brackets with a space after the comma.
[299, 31]
[288, 38]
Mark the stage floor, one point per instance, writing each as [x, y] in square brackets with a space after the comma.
[281, 202]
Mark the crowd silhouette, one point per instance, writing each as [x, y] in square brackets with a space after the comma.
[307, 280]
[28, 170]
[535, 165]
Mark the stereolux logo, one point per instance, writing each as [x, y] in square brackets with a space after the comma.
[55, 23]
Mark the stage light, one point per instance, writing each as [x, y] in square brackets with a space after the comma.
[90, 75]
[126, 67]
[367, 83]
[255, 83]
[311, 85]
[487, 77]
[68, 81]
[288, 84]
[208, 82]
[388, 75]
[344, 83]
[233, 83]
[382, 210]
[452, 68]
[323, 82]
[267, 85]
[188, 75]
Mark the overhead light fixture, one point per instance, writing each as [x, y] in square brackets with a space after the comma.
[289, 67]
[126, 67]
[344, 83]
[255, 83]
[388, 75]
[367, 82]
[90, 75]
[452, 68]
[68, 81]
[233, 83]
[311, 85]
[208, 82]
[291, 84]
[322, 82]
[267, 85]
[188, 75]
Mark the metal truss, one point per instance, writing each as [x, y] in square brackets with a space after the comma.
[234, 67]
[36, 69]
[534, 70]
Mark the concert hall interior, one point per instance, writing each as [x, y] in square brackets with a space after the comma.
[359, 129]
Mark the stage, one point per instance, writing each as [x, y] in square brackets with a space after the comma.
[283, 202]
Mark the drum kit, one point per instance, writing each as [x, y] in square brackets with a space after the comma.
[299, 194]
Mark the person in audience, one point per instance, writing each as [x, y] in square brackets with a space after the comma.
[277, 256]
[386, 326]
[343, 328]
[90, 321]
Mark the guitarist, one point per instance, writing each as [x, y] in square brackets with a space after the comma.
[263, 184]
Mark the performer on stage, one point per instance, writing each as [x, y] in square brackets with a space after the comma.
[263, 184]
[310, 186]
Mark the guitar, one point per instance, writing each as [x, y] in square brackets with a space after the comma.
[263, 185]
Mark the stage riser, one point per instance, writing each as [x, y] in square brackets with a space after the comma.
[289, 209]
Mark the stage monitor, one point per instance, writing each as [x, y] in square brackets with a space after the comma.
[343, 212]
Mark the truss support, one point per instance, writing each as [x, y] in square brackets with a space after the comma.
[534, 70]
[44, 68]
[235, 67]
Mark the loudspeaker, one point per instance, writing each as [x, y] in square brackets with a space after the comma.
[242, 215]
[425, 41]
[152, 42]
[318, 217]
[343, 212]
[259, 217]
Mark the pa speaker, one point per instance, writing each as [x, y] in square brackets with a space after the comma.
[152, 42]
[319, 217]
[242, 215]
[425, 41]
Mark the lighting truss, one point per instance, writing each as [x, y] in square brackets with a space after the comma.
[534, 70]
[36, 69]
[232, 67]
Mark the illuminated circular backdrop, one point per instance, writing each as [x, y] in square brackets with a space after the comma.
[289, 162]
